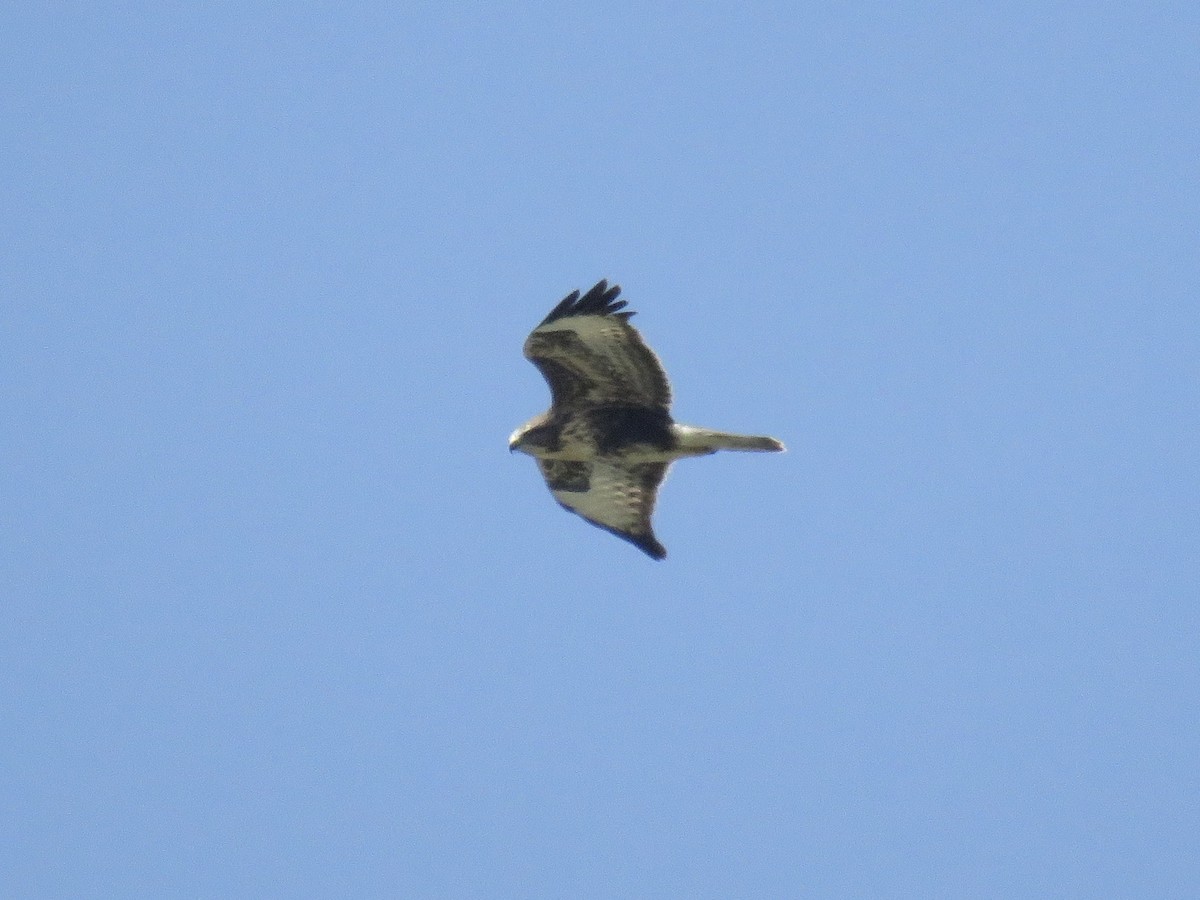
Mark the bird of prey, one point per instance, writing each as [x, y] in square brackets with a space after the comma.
[606, 442]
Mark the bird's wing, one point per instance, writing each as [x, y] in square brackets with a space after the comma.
[618, 497]
[591, 355]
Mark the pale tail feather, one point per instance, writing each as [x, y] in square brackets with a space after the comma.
[704, 440]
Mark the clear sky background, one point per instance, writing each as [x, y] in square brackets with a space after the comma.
[283, 617]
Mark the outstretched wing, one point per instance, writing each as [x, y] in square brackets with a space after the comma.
[591, 355]
[612, 495]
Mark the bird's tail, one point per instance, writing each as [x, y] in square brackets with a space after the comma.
[704, 440]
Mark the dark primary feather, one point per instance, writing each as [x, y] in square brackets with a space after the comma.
[601, 300]
[647, 542]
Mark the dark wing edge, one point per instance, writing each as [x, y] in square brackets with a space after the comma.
[647, 543]
[601, 300]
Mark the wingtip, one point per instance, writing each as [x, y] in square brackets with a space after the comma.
[600, 300]
[646, 542]
[649, 545]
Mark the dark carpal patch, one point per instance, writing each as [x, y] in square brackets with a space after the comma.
[618, 427]
[564, 475]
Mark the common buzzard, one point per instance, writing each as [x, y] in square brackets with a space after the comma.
[606, 442]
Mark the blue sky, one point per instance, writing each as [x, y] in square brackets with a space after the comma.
[284, 617]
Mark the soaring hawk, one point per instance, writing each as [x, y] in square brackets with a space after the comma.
[606, 442]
